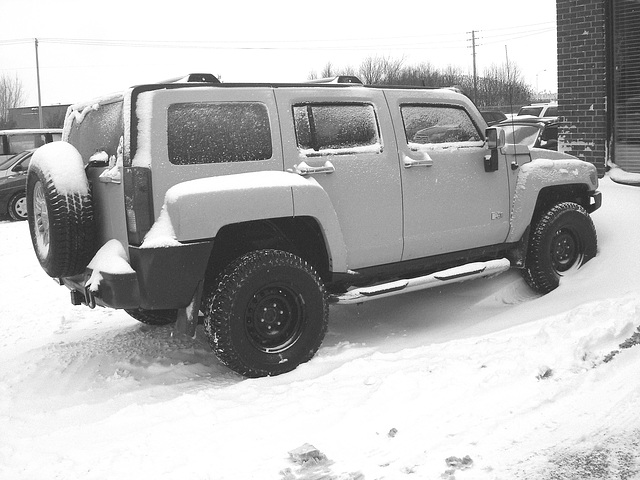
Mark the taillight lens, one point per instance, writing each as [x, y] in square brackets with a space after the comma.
[138, 203]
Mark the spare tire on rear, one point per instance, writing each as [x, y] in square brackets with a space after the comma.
[60, 210]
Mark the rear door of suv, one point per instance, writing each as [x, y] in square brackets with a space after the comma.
[342, 138]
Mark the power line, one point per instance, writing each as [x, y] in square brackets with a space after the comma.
[416, 42]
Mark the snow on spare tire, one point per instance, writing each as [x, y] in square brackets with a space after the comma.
[60, 210]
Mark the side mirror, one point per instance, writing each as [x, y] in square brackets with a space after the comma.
[495, 138]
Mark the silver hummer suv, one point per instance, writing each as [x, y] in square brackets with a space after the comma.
[256, 206]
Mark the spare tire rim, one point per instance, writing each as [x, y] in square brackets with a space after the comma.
[41, 220]
[274, 318]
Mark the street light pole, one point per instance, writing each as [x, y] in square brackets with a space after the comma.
[40, 119]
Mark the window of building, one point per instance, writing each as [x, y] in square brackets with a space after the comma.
[626, 123]
[339, 128]
[218, 132]
[438, 124]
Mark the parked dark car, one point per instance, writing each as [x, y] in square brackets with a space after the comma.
[531, 131]
[493, 117]
[13, 180]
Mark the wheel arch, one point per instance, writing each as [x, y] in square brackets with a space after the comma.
[302, 236]
[527, 208]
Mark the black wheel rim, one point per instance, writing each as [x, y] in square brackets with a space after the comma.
[274, 318]
[564, 250]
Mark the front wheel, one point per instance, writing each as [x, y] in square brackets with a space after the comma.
[563, 239]
[268, 314]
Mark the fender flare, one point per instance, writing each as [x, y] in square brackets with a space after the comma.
[198, 209]
[543, 173]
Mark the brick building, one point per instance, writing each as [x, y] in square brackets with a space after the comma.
[599, 81]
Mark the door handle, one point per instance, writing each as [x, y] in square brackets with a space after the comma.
[424, 161]
[303, 168]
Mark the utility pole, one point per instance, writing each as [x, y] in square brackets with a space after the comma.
[475, 73]
[40, 119]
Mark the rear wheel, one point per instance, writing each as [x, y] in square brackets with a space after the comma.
[563, 240]
[268, 314]
[18, 207]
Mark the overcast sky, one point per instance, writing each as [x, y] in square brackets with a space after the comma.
[87, 49]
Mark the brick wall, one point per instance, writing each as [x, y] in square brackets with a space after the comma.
[582, 80]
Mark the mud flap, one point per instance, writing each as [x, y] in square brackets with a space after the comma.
[187, 320]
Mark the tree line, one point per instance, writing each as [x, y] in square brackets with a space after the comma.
[11, 96]
[496, 86]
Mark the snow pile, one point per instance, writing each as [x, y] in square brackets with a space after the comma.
[479, 380]
[111, 258]
[619, 175]
[162, 233]
[61, 162]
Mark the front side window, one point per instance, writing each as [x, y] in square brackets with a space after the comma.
[336, 127]
[428, 124]
[218, 132]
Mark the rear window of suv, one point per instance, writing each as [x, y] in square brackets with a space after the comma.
[218, 132]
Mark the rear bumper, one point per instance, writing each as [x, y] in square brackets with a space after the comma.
[163, 278]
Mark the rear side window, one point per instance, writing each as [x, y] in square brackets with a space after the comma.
[336, 127]
[428, 124]
[218, 132]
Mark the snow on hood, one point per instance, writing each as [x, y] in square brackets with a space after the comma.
[61, 162]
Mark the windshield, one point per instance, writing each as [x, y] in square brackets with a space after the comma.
[522, 134]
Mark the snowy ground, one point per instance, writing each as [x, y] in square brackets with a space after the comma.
[484, 370]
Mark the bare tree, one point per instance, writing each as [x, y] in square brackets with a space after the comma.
[327, 71]
[11, 96]
[371, 70]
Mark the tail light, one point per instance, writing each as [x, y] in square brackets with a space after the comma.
[138, 203]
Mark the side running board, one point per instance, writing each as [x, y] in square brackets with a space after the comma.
[452, 275]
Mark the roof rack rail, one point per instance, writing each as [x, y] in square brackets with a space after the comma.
[193, 78]
[338, 79]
